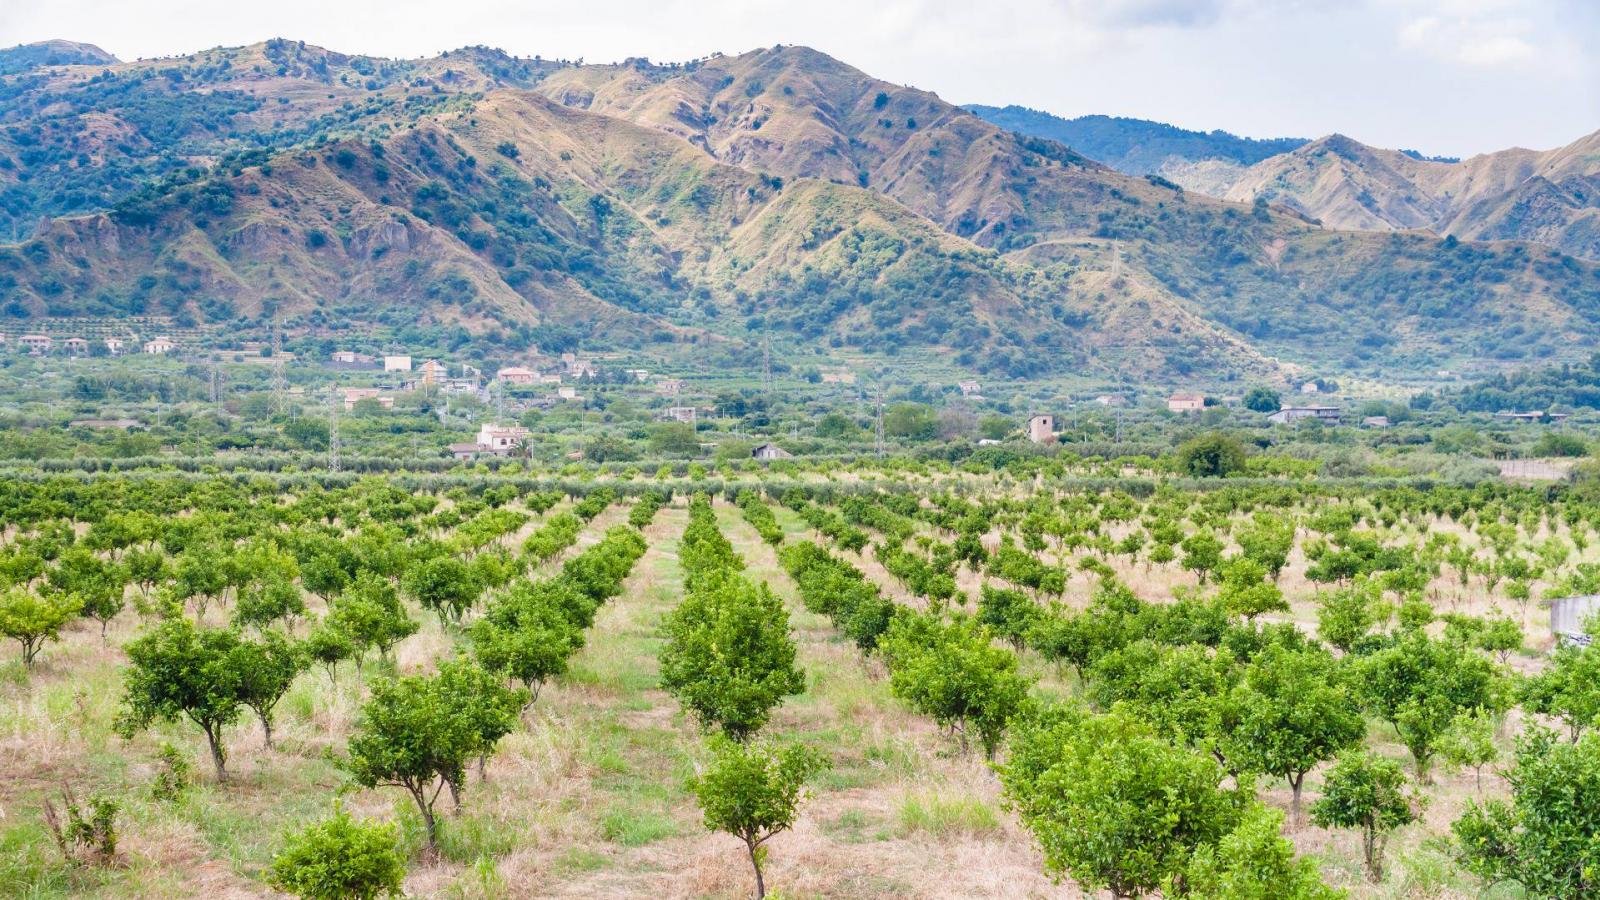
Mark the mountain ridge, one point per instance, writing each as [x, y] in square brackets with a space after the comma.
[518, 201]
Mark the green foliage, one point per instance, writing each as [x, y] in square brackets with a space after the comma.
[174, 774]
[1211, 455]
[177, 670]
[1254, 861]
[752, 791]
[340, 857]
[951, 672]
[1112, 805]
[1368, 792]
[1262, 399]
[1568, 689]
[1421, 684]
[1547, 837]
[31, 619]
[1291, 710]
[419, 733]
[445, 585]
[728, 656]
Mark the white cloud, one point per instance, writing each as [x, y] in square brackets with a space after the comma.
[1482, 33]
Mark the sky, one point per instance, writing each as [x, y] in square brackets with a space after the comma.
[1446, 77]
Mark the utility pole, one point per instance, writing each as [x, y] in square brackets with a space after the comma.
[766, 360]
[1116, 259]
[279, 389]
[880, 421]
[333, 433]
[214, 382]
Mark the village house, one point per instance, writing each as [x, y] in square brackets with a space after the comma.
[343, 356]
[159, 346]
[838, 378]
[352, 396]
[1042, 428]
[567, 392]
[671, 387]
[1375, 422]
[114, 346]
[1291, 414]
[684, 414]
[75, 346]
[582, 369]
[501, 437]
[432, 370]
[517, 375]
[1111, 400]
[769, 452]
[640, 375]
[1186, 402]
[397, 363]
[36, 344]
[1532, 416]
[1310, 387]
[968, 388]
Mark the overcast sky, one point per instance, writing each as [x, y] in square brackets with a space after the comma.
[1450, 77]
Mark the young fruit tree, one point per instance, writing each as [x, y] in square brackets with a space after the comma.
[1366, 791]
[751, 791]
[1292, 711]
[728, 657]
[177, 670]
[31, 619]
[340, 858]
[419, 733]
[1545, 838]
[1113, 805]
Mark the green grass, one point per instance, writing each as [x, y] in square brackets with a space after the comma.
[945, 816]
[636, 827]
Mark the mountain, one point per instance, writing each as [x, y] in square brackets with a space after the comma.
[1136, 146]
[480, 198]
[25, 57]
[1551, 197]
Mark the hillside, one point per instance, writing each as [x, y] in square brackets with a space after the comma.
[1136, 146]
[25, 57]
[1550, 197]
[692, 208]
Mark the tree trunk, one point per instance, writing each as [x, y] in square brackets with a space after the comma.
[455, 793]
[427, 818]
[266, 727]
[218, 759]
[1295, 784]
[755, 863]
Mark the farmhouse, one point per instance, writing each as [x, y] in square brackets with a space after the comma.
[968, 388]
[352, 396]
[685, 414]
[1042, 428]
[114, 346]
[1186, 402]
[1533, 416]
[160, 346]
[1375, 422]
[432, 369]
[37, 344]
[397, 363]
[671, 387]
[1291, 414]
[768, 452]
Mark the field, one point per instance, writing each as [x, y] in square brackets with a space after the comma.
[1175, 594]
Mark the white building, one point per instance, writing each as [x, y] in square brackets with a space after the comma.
[397, 363]
[501, 437]
[160, 346]
[37, 344]
[114, 346]
[1291, 414]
